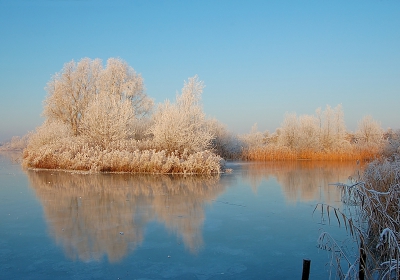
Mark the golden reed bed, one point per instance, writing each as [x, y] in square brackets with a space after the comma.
[276, 153]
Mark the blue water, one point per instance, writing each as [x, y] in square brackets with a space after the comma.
[256, 222]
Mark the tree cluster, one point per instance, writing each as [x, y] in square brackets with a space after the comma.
[320, 136]
[99, 118]
[92, 100]
[93, 111]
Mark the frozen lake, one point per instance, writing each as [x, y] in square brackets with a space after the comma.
[254, 223]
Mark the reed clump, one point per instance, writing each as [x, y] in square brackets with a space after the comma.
[380, 196]
[64, 156]
[277, 153]
[376, 223]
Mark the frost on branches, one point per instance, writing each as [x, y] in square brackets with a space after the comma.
[98, 119]
[182, 125]
[322, 136]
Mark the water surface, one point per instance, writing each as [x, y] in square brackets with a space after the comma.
[256, 222]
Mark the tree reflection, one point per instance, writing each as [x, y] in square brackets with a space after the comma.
[93, 216]
[97, 215]
[303, 180]
[12, 156]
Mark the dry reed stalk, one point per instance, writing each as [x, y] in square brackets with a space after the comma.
[377, 195]
[95, 159]
[276, 153]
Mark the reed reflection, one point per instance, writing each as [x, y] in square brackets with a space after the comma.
[97, 215]
[303, 180]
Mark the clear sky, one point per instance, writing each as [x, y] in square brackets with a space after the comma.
[258, 59]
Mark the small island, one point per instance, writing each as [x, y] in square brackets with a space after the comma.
[100, 119]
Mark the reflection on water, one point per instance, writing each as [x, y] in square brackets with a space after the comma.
[93, 215]
[97, 215]
[303, 180]
[13, 156]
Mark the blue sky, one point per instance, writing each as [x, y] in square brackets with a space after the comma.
[258, 59]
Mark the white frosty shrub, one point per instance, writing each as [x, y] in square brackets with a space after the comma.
[41, 143]
[254, 138]
[224, 143]
[289, 131]
[369, 132]
[325, 131]
[392, 147]
[48, 133]
[182, 125]
[107, 120]
[332, 128]
[307, 139]
[16, 143]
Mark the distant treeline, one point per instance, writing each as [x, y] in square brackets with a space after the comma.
[100, 119]
[322, 136]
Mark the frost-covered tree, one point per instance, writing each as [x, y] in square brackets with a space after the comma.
[72, 90]
[332, 128]
[98, 120]
[299, 133]
[310, 135]
[107, 119]
[69, 92]
[289, 131]
[307, 134]
[120, 80]
[225, 143]
[369, 132]
[182, 126]
[339, 124]
[16, 143]
[327, 129]
[254, 138]
[392, 147]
